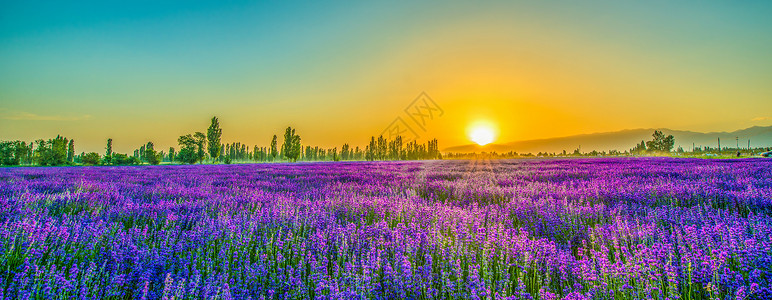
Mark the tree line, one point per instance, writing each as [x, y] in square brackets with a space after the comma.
[659, 144]
[200, 147]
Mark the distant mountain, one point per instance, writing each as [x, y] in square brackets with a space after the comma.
[627, 139]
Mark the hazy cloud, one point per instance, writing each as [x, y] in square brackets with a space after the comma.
[26, 116]
[756, 119]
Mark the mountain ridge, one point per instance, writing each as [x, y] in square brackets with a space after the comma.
[625, 139]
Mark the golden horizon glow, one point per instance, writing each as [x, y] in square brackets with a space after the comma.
[482, 133]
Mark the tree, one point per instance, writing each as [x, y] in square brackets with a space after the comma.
[291, 147]
[370, 150]
[200, 139]
[345, 152]
[109, 148]
[213, 134]
[151, 155]
[120, 159]
[381, 151]
[8, 153]
[52, 152]
[640, 148]
[171, 154]
[15, 153]
[285, 147]
[188, 149]
[140, 153]
[660, 142]
[395, 148]
[90, 159]
[108, 158]
[71, 151]
[274, 150]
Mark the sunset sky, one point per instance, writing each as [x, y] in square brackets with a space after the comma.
[341, 72]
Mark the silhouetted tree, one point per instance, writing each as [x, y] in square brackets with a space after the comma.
[638, 149]
[660, 142]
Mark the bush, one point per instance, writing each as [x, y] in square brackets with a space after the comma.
[120, 159]
[91, 158]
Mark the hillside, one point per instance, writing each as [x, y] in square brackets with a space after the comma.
[760, 136]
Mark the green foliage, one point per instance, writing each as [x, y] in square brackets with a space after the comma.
[660, 142]
[191, 148]
[200, 139]
[108, 158]
[172, 155]
[274, 151]
[640, 148]
[120, 159]
[213, 134]
[109, 148]
[291, 147]
[71, 151]
[91, 158]
[151, 156]
[52, 152]
[370, 149]
[383, 149]
[13, 153]
[7, 154]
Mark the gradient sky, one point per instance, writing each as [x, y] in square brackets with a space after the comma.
[341, 72]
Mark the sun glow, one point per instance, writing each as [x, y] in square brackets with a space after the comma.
[482, 133]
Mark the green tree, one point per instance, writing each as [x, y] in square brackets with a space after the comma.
[91, 158]
[171, 154]
[201, 144]
[370, 150]
[639, 148]
[274, 150]
[151, 155]
[660, 142]
[291, 147]
[52, 152]
[382, 149]
[109, 152]
[188, 149]
[120, 159]
[213, 134]
[109, 148]
[71, 151]
[345, 152]
[8, 153]
[192, 148]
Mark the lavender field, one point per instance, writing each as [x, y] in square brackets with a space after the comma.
[626, 228]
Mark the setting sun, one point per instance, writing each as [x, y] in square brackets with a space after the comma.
[482, 134]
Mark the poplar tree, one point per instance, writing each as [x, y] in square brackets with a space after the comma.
[274, 150]
[71, 151]
[213, 134]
